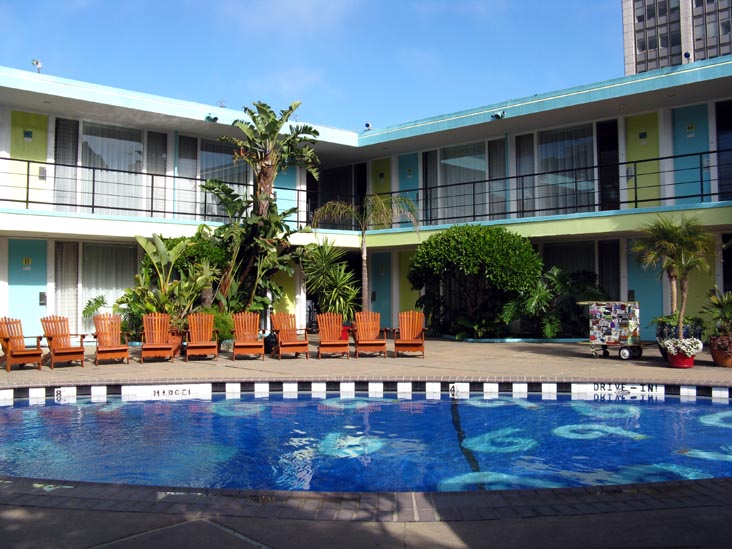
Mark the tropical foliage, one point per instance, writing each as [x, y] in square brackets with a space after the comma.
[376, 212]
[679, 248]
[269, 145]
[468, 273]
[327, 277]
[552, 303]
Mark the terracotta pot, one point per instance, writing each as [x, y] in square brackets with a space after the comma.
[680, 360]
[720, 356]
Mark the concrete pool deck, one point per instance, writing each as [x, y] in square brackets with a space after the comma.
[670, 514]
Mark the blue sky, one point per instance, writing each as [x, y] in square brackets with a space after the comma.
[348, 61]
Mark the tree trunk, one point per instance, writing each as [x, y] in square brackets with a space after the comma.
[365, 297]
[684, 283]
[673, 291]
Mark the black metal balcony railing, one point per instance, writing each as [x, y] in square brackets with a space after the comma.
[667, 181]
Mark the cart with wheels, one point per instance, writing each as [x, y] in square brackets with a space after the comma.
[615, 325]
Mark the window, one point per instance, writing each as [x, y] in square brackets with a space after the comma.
[650, 12]
[66, 154]
[662, 39]
[157, 153]
[525, 171]
[640, 14]
[652, 40]
[640, 42]
[712, 25]
[430, 182]
[187, 185]
[114, 184]
[566, 183]
[462, 181]
[661, 8]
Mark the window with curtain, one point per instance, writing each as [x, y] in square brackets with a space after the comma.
[525, 175]
[106, 269]
[66, 272]
[497, 184]
[66, 154]
[429, 182]
[114, 186]
[186, 184]
[462, 182]
[566, 181]
[217, 162]
[156, 165]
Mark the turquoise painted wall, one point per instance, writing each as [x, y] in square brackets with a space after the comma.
[648, 292]
[27, 274]
[691, 135]
[380, 284]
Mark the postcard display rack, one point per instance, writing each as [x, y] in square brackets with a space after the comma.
[615, 324]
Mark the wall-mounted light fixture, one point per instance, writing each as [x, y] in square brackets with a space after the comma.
[210, 118]
[498, 115]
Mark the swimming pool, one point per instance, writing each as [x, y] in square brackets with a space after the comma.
[368, 444]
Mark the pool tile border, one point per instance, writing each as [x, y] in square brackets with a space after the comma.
[405, 389]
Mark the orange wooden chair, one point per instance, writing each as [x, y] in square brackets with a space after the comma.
[368, 334]
[109, 337]
[56, 331]
[201, 336]
[330, 328]
[156, 337]
[246, 335]
[285, 329]
[14, 347]
[409, 337]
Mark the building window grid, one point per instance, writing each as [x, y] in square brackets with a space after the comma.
[657, 33]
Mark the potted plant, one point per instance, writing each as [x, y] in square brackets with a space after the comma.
[680, 247]
[719, 309]
[681, 352]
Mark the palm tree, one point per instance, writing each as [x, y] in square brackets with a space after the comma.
[268, 150]
[680, 248]
[376, 211]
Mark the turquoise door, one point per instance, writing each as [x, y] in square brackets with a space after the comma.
[27, 283]
[648, 292]
[380, 285]
[691, 135]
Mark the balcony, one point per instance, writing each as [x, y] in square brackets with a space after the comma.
[660, 182]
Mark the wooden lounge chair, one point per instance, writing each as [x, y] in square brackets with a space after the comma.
[409, 337]
[56, 331]
[14, 347]
[109, 336]
[330, 328]
[156, 337]
[285, 329]
[201, 337]
[246, 335]
[368, 334]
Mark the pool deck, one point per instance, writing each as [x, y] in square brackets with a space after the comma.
[670, 514]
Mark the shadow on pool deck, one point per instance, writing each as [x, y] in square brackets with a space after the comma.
[673, 514]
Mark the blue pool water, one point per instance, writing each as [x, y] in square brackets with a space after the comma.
[365, 444]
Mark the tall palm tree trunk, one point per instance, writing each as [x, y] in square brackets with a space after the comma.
[684, 283]
[365, 297]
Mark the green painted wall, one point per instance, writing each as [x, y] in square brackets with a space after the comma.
[641, 138]
[287, 303]
[595, 225]
[381, 176]
[28, 136]
[407, 296]
[700, 285]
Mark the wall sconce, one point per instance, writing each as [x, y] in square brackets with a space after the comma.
[498, 115]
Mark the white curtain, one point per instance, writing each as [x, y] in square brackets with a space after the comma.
[217, 162]
[67, 282]
[66, 154]
[462, 164]
[106, 269]
[109, 149]
[186, 184]
[566, 183]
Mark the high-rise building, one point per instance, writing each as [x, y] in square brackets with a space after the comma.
[662, 33]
